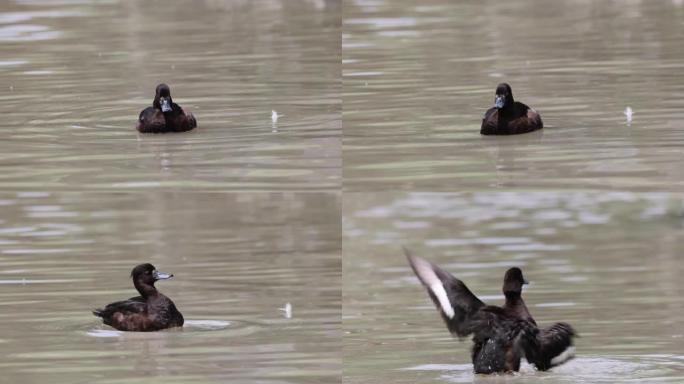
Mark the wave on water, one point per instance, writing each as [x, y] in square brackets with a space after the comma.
[189, 326]
[206, 325]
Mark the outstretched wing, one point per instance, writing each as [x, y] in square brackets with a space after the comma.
[454, 301]
[554, 346]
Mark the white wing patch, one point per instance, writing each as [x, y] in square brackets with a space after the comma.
[439, 291]
[429, 278]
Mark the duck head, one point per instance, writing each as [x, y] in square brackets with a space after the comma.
[162, 98]
[504, 96]
[145, 275]
[513, 282]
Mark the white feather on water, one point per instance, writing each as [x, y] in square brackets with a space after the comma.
[274, 121]
[287, 309]
[628, 114]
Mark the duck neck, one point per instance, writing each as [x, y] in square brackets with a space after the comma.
[513, 299]
[145, 290]
[509, 100]
[507, 108]
[515, 304]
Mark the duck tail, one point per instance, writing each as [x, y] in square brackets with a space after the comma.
[98, 313]
[554, 346]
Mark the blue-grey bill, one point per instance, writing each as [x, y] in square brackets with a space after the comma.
[499, 101]
[162, 276]
[165, 105]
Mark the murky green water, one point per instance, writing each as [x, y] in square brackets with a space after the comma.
[74, 75]
[610, 264]
[418, 77]
[237, 259]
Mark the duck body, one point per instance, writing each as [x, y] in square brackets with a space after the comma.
[151, 311]
[501, 336]
[509, 117]
[164, 115]
[497, 341]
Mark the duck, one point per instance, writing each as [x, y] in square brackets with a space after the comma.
[509, 117]
[151, 311]
[502, 336]
[164, 115]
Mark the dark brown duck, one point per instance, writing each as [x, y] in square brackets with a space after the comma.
[501, 335]
[151, 311]
[164, 115]
[509, 117]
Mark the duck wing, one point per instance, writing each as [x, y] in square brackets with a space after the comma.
[524, 119]
[130, 306]
[454, 301]
[179, 120]
[150, 120]
[490, 122]
[553, 346]
[534, 118]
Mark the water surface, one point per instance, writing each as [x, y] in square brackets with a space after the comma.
[74, 75]
[610, 264]
[418, 78]
[237, 260]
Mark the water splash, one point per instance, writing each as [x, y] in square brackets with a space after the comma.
[590, 369]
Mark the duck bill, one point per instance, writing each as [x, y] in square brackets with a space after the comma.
[525, 281]
[499, 101]
[162, 275]
[165, 104]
